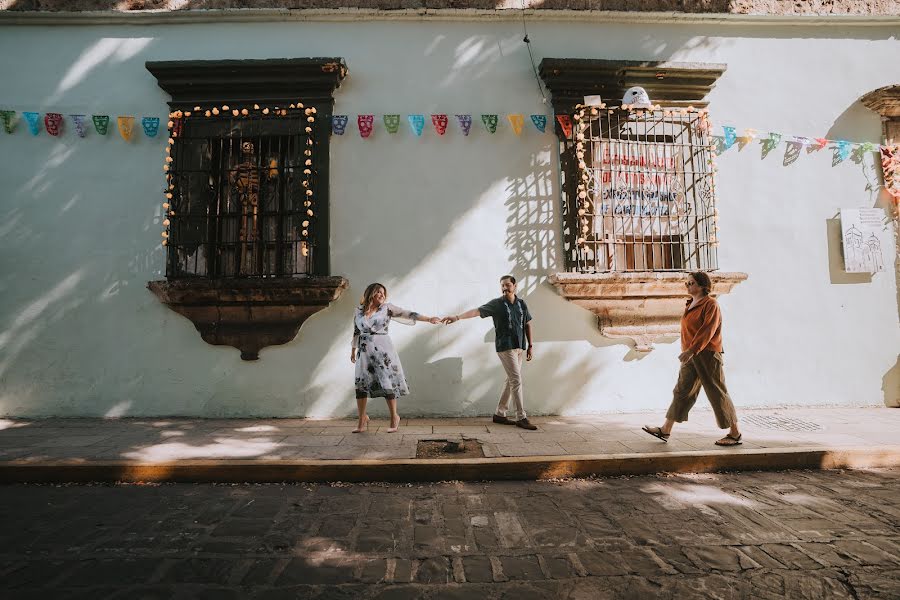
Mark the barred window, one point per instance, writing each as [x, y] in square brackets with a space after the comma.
[638, 194]
[243, 196]
[645, 199]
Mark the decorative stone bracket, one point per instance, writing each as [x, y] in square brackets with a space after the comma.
[645, 307]
[249, 314]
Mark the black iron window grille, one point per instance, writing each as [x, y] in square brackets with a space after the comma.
[241, 194]
[642, 194]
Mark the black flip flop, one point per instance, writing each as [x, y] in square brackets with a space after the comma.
[657, 433]
[735, 441]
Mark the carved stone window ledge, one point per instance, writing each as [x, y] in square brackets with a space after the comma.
[645, 307]
[249, 314]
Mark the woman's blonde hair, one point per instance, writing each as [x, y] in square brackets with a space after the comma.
[370, 291]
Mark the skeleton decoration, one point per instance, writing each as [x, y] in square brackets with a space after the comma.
[636, 97]
[247, 178]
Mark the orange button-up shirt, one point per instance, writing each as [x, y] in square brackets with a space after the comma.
[701, 326]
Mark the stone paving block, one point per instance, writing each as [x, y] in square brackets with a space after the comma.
[876, 583]
[558, 567]
[402, 570]
[477, 569]
[864, 553]
[536, 590]
[461, 592]
[260, 571]
[389, 452]
[719, 558]
[336, 527]
[434, 570]
[427, 539]
[766, 585]
[371, 540]
[604, 564]
[510, 530]
[302, 570]
[312, 440]
[790, 556]
[372, 439]
[242, 527]
[339, 452]
[823, 584]
[760, 557]
[592, 447]
[197, 570]
[373, 571]
[826, 554]
[529, 449]
[720, 587]
[460, 429]
[521, 567]
[399, 593]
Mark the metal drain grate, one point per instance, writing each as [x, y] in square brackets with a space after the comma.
[780, 423]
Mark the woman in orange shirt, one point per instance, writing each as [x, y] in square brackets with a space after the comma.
[701, 364]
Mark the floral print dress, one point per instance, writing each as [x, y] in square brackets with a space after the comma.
[378, 370]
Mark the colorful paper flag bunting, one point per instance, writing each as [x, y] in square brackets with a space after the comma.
[417, 122]
[78, 120]
[843, 150]
[9, 120]
[490, 121]
[730, 136]
[540, 122]
[565, 121]
[126, 126]
[101, 123]
[440, 123]
[392, 123]
[338, 124]
[34, 122]
[516, 122]
[822, 142]
[150, 125]
[366, 124]
[867, 147]
[465, 123]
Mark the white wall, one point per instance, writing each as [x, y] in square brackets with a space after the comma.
[437, 220]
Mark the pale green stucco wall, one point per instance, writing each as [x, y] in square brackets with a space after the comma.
[436, 219]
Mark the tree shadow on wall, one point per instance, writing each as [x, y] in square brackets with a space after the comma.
[534, 228]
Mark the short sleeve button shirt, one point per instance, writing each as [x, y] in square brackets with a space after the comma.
[509, 322]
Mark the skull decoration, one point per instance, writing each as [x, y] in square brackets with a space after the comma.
[636, 97]
[247, 147]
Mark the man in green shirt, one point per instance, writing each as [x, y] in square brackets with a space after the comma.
[512, 323]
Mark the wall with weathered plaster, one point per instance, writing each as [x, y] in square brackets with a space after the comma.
[760, 7]
[437, 219]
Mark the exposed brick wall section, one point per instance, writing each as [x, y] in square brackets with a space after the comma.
[759, 7]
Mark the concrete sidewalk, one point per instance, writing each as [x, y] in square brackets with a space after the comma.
[176, 449]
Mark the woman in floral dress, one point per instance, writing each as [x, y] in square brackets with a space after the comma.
[379, 373]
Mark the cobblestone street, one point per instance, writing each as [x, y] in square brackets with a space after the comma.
[800, 534]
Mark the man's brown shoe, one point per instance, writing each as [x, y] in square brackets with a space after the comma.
[503, 420]
[524, 424]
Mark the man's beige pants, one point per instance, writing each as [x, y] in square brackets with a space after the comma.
[704, 369]
[512, 363]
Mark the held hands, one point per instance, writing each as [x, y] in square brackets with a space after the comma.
[434, 320]
[449, 320]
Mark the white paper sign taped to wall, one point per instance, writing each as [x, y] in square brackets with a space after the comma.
[862, 233]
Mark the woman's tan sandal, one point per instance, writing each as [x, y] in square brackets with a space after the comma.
[728, 440]
[657, 433]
